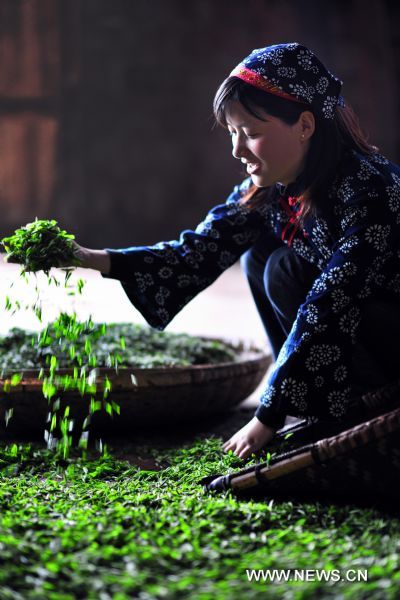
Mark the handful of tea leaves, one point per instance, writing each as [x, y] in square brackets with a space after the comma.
[40, 245]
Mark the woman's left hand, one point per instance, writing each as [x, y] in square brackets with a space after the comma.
[249, 439]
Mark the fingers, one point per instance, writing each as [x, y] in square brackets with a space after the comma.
[245, 452]
[232, 442]
[229, 445]
[240, 448]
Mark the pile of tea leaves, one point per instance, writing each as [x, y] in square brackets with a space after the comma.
[103, 529]
[40, 245]
[125, 344]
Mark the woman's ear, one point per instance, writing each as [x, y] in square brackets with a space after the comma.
[306, 125]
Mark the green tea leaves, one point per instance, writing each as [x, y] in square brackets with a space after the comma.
[67, 343]
[40, 245]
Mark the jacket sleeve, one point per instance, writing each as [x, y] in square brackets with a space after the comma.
[161, 279]
[313, 371]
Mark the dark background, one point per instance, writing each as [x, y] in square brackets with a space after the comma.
[105, 106]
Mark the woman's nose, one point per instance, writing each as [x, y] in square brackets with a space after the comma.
[237, 147]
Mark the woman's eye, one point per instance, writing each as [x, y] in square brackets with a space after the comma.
[248, 135]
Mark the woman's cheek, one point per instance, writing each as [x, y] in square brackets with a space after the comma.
[259, 150]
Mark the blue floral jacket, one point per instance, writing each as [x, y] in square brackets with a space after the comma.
[356, 246]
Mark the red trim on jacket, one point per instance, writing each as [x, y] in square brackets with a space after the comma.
[293, 221]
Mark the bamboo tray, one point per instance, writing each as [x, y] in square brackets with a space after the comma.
[146, 396]
[360, 461]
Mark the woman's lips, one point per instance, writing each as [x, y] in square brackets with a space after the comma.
[252, 168]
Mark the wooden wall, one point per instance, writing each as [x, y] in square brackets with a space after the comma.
[105, 107]
[29, 88]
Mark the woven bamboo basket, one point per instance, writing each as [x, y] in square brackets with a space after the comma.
[359, 460]
[146, 396]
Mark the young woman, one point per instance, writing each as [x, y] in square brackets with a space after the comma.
[317, 223]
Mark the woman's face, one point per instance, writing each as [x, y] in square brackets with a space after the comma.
[272, 150]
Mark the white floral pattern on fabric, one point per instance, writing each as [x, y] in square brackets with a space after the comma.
[366, 170]
[163, 315]
[275, 56]
[304, 251]
[393, 193]
[304, 91]
[377, 235]
[305, 336]
[226, 259]
[209, 229]
[312, 314]
[322, 85]
[289, 72]
[336, 276]
[166, 253]
[349, 322]
[396, 180]
[295, 391]
[292, 388]
[144, 280]
[162, 295]
[283, 355]
[340, 300]
[244, 238]
[165, 272]
[379, 159]
[322, 355]
[193, 259]
[329, 106]
[341, 373]
[394, 284]
[321, 238]
[184, 281]
[352, 215]
[318, 287]
[304, 58]
[338, 402]
[200, 245]
[345, 190]
[268, 395]
[349, 244]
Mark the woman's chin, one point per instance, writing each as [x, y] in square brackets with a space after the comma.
[259, 180]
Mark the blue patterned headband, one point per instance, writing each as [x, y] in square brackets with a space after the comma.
[293, 72]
